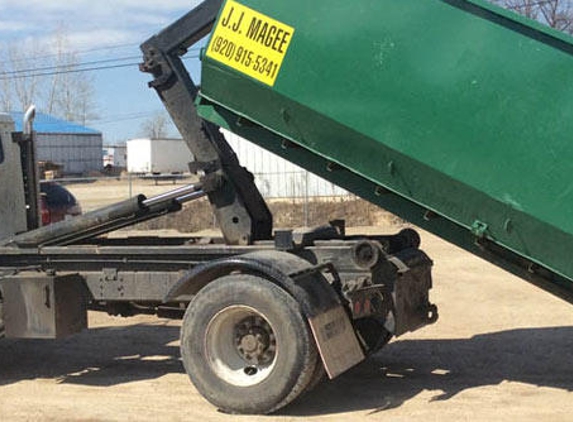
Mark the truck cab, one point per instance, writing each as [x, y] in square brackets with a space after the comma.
[13, 204]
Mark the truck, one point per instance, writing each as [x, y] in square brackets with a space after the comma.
[424, 108]
[114, 157]
[157, 156]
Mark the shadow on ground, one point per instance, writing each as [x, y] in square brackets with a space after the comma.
[112, 356]
[537, 356]
[99, 357]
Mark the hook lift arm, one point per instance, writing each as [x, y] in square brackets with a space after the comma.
[240, 210]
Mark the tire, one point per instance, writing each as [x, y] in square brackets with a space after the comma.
[246, 345]
[318, 376]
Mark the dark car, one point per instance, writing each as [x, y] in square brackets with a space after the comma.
[57, 203]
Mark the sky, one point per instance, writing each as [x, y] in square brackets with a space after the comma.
[102, 30]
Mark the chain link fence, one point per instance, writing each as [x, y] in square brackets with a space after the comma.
[296, 199]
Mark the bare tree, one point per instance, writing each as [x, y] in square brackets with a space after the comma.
[59, 46]
[51, 81]
[69, 94]
[74, 95]
[84, 106]
[528, 8]
[557, 14]
[6, 99]
[19, 88]
[156, 127]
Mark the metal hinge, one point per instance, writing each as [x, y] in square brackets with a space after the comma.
[479, 229]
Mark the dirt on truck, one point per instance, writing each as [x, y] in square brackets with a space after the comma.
[419, 110]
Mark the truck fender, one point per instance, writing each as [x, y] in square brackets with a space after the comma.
[332, 330]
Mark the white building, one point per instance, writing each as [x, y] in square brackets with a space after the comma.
[277, 178]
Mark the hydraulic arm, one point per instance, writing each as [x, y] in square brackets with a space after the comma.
[238, 205]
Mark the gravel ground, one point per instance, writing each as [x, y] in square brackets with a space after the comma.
[500, 351]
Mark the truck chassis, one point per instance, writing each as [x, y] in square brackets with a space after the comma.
[346, 295]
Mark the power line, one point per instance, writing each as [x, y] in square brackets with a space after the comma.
[109, 47]
[83, 52]
[86, 69]
[124, 117]
[80, 52]
[64, 72]
[62, 67]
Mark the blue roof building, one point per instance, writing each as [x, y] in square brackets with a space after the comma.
[44, 123]
[77, 148]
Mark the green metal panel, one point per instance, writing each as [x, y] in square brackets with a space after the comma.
[457, 106]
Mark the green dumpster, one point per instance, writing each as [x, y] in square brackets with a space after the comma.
[453, 114]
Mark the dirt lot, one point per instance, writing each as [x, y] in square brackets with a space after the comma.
[500, 351]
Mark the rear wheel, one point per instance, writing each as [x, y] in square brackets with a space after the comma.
[246, 345]
[318, 376]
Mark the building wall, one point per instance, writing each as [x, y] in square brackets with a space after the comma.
[276, 177]
[78, 153]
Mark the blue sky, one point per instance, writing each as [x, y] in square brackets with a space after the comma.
[101, 30]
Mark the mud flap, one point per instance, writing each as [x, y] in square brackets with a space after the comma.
[336, 341]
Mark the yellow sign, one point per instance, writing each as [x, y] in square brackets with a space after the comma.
[250, 42]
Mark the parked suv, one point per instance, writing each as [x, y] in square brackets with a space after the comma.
[57, 203]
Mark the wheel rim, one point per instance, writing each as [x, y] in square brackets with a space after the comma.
[241, 346]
